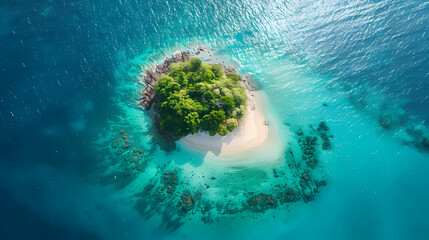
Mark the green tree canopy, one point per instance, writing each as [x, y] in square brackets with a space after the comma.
[196, 96]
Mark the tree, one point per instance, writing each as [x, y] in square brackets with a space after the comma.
[209, 95]
[197, 90]
[192, 123]
[239, 96]
[208, 76]
[233, 76]
[195, 63]
[180, 77]
[228, 103]
[231, 124]
[213, 120]
[166, 86]
[222, 130]
[217, 70]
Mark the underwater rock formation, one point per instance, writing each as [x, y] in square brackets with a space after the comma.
[390, 115]
[308, 145]
[187, 201]
[298, 180]
[261, 202]
[323, 131]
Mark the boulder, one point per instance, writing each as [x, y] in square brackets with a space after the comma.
[261, 200]
[299, 132]
[139, 151]
[322, 126]
[187, 201]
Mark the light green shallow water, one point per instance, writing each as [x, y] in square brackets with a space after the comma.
[294, 99]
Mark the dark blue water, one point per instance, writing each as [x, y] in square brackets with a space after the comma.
[57, 79]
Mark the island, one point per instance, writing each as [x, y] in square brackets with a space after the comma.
[206, 106]
[227, 141]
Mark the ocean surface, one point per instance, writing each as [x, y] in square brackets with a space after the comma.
[70, 78]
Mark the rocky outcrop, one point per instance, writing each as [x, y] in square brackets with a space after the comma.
[308, 146]
[169, 179]
[323, 130]
[288, 195]
[187, 201]
[152, 77]
[250, 82]
[261, 202]
[385, 122]
[227, 69]
[322, 126]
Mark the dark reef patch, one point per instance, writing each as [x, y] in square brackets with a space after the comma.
[303, 181]
[391, 116]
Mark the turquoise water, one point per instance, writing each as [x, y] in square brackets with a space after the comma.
[71, 78]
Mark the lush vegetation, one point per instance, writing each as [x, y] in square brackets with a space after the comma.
[196, 96]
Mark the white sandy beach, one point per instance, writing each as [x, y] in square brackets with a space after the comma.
[251, 132]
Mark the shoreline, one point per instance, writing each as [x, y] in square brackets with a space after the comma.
[251, 132]
[151, 77]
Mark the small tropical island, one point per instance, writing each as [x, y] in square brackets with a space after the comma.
[200, 103]
[228, 141]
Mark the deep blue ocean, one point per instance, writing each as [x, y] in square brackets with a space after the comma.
[69, 67]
